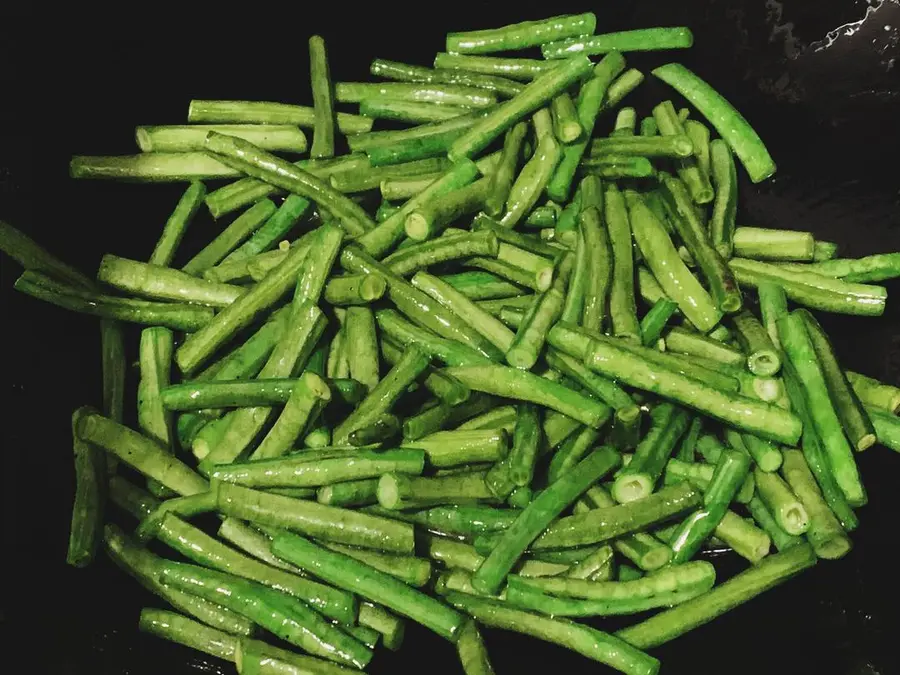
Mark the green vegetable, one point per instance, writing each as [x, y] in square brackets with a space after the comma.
[639, 40]
[730, 473]
[471, 650]
[188, 138]
[673, 275]
[760, 243]
[594, 644]
[730, 124]
[668, 625]
[159, 167]
[179, 628]
[521, 35]
[599, 260]
[249, 190]
[874, 393]
[452, 448]
[397, 491]
[590, 102]
[264, 112]
[850, 411]
[404, 72]
[622, 310]
[313, 469]
[199, 547]
[317, 520]
[86, 528]
[140, 453]
[536, 517]
[825, 533]
[813, 388]
[525, 386]
[201, 345]
[636, 480]
[356, 577]
[146, 569]
[174, 315]
[323, 100]
[289, 619]
[258, 163]
[532, 97]
[723, 287]
[607, 523]
[561, 596]
[754, 416]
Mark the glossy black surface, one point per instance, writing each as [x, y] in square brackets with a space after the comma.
[818, 80]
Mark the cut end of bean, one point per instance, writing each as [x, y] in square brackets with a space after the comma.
[796, 520]
[372, 288]
[417, 227]
[389, 491]
[630, 487]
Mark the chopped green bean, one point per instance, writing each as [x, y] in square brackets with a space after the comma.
[639, 40]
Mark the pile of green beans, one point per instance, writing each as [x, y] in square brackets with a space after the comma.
[500, 366]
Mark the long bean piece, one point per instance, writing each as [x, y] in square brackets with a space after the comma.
[594, 644]
[668, 625]
[356, 577]
[538, 515]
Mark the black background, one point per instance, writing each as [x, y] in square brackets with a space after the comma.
[828, 107]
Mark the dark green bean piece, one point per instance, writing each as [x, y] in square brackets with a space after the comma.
[403, 72]
[178, 316]
[376, 586]
[533, 96]
[538, 515]
[521, 35]
[532, 332]
[263, 165]
[637, 479]
[446, 95]
[385, 394]
[697, 182]
[349, 493]
[670, 271]
[86, 528]
[588, 642]
[526, 443]
[763, 358]
[590, 102]
[668, 625]
[599, 254]
[414, 112]
[387, 234]
[622, 309]
[750, 415]
[730, 124]
[802, 356]
[289, 619]
[655, 320]
[448, 389]
[693, 233]
[813, 290]
[343, 526]
[323, 100]
[526, 386]
[815, 455]
[724, 177]
[639, 40]
[850, 411]
[566, 124]
[875, 394]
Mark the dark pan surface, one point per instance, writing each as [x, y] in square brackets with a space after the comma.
[819, 80]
